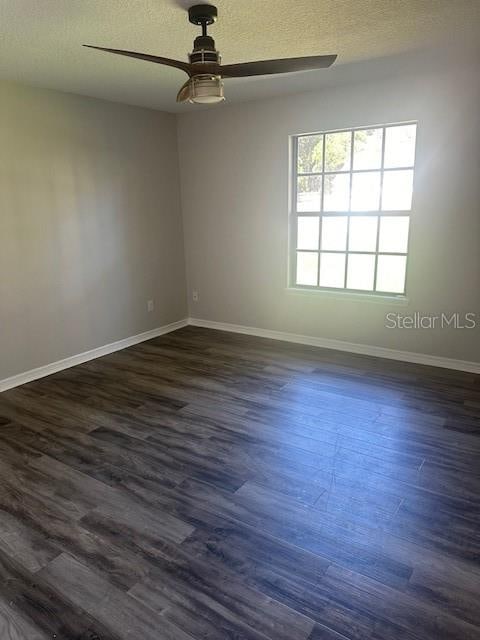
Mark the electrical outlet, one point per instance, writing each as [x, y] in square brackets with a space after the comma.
[150, 305]
[195, 295]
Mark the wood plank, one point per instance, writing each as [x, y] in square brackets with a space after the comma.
[212, 485]
[126, 617]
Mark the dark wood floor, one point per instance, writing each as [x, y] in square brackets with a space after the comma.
[213, 486]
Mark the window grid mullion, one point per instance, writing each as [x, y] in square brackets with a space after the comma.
[352, 141]
[294, 240]
[368, 214]
[382, 173]
[363, 253]
[330, 173]
[322, 196]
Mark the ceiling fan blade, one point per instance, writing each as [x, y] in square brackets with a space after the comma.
[178, 64]
[285, 65]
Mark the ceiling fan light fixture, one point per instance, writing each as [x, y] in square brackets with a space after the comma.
[205, 89]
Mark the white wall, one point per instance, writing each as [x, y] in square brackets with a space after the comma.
[90, 225]
[234, 176]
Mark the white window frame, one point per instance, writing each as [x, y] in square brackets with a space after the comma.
[294, 214]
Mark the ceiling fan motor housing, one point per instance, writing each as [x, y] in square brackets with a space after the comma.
[204, 51]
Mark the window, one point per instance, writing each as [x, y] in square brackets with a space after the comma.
[352, 197]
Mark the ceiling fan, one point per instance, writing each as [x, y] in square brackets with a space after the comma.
[205, 82]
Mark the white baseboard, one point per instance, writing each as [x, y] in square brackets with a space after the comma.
[72, 361]
[340, 345]
[325, 343]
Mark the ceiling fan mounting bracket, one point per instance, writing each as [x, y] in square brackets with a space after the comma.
[203, 14]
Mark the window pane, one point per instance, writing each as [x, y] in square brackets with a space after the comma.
[337, 192]
[400, 146]
[307, 232]
[391, 274]
[332, 270]
[393, 234]
[334, 233]
[362, 235]
[307, 267]
[310, 150]
[337, 151]
[367, 149]
[309, 190]
[397, 190]
[361, 269]
[366, 191]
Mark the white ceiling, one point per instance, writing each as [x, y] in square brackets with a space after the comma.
[40, 41]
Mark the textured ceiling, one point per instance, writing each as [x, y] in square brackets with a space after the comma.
[40, 40]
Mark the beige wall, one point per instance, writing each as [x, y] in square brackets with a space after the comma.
[90, 225]
[91, 228]
[234, 175]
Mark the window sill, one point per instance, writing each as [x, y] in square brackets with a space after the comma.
[349, 296]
